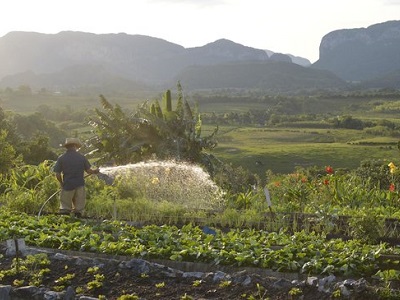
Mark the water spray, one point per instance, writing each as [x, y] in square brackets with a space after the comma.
[180, 183]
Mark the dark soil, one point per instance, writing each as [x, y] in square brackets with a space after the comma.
[118, 282]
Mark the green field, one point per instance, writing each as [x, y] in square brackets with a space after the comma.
[282, 150]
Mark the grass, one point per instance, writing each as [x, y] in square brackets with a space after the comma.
[283, 149]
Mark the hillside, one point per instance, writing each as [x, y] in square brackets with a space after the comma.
[274, 76]
[362, 53]
[110, 62]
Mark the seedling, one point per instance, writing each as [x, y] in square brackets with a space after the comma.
[225, 283]
[295, 291]
[197, 283]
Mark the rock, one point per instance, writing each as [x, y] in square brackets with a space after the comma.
[313, 281]
[5, 292]
[60, 256]
[324, 283]
[50, 295]
[138, 266]
[197, 275]
[25, 292]
[282, 283]
[69, 293]
[219, 276]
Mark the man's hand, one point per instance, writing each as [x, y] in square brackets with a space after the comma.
[93, 171]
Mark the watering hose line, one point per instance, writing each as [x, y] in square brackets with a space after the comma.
[47, 201]
[41, 208]
[107, 179]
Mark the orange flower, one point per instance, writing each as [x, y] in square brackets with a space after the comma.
[329, 169]
[277, 183]
[326, 181]
[392, 187]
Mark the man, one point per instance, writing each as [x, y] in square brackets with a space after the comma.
[69, 169]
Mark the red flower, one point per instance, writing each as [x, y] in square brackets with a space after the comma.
[329, 169]
[392, 187]
[326, 181]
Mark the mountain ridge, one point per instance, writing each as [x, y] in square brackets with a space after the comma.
[143, 60]
[368, 57]
[361, 53]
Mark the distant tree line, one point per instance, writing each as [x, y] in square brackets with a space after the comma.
[25, 139]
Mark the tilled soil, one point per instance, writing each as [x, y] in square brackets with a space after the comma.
[111, 281]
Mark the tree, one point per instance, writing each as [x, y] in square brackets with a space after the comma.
[151, 130]
[26, 138]
[8, 155]
[9, 126]
[37, 150]
[119, 137]
[32, 125]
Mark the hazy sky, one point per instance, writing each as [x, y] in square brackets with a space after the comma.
[285, 26]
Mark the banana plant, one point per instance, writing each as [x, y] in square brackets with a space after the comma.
[150, 130]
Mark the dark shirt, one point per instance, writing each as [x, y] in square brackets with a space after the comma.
[72, 165]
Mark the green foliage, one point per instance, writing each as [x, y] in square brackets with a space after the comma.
[37, 150]
[27, 187]
[367, 227]
[31, 269]
[121, 138]
[65, 280]
[128, 297]
[8, 157]
[33, 125]
[150, 131]
[234, 179]
[167, 101]
[308, 253]
[26, 139]
[387, 277]
[376, 172]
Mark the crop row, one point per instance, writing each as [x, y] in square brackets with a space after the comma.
[301, 252]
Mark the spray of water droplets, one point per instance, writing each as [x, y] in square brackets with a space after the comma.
[181, 183]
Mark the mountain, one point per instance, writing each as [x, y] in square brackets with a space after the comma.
[72, 60]
[274, 76]
[295, 59]
[77, 78]
[363, 53]
[135, 57]
[387, 81]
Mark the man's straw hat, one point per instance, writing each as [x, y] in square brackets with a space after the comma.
[72, 141]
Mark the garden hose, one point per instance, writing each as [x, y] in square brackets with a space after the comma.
[44, 204]
[107, 179]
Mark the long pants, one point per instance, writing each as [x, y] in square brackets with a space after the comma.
[73, 201]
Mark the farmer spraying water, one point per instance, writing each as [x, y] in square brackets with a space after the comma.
[69, 169]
